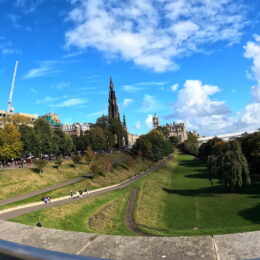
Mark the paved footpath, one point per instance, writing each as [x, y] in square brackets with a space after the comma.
[26, 208]
[43, 190]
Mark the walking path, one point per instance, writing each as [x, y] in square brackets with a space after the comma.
[23, 209]
[129, 220]
[43, 190]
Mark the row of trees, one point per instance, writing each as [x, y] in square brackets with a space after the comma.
[106, 134]
[153, 146]
[21, 140]
[233, 162]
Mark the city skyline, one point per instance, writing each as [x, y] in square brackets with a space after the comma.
[196, 62]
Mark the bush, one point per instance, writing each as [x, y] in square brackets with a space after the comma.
[90, 155]
[41, 164]
[58, 161]
[76, 159]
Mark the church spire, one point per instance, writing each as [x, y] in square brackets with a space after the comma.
[124, 121]
[112, 102]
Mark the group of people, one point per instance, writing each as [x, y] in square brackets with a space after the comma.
[78, 194]
[46, 199]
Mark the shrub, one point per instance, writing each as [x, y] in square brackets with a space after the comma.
[41, 164]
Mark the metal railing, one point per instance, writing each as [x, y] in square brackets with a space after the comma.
[32, 253]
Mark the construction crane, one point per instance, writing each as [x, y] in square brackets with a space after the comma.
[10, 108]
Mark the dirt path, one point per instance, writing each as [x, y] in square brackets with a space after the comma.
[129, 219]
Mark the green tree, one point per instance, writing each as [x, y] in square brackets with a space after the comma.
[191, 145]
[58, 161]
[90, 155]
[96, 138]
[174, 140]
[228, 163]
[41, 164]
[76, 159]
[10, 142]
[163, 130]
[30, 141]
[64, 142]
[46, 136]
[206, 149]
[251, 148]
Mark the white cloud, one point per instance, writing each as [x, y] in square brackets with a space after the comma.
[98, 113]
[150, 104]
[138, 125]
[252, 51]
[6, 47]
[62, 85]
[72, 102]
[131, 88]
[132, 30]
[47, 100]
[127, 101]
[149, 121]
[45, 68]
[174, 87]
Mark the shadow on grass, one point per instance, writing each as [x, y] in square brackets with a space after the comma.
[252, 214]
[194, 163]
[216, 191]
[72, 165]
[200, 174]
[35, 170]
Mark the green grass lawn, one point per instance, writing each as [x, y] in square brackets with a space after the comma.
[174, 200]
[102, 214]
[179, 200]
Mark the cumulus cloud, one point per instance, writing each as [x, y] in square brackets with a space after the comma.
[138, 125]
[174, 87]
[150, 104]
[149, 121]
[127, 101]
[196, 107]
[153, 34]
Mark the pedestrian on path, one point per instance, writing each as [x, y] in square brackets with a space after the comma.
[38, 224]
[71, 194]
[80, 194]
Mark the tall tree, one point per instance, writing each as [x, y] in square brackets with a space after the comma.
[10, 142]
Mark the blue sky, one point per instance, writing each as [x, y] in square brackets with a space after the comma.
[192, 61]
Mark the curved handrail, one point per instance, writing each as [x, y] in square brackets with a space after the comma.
[32, 253]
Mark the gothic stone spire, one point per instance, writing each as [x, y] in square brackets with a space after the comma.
[112, 102]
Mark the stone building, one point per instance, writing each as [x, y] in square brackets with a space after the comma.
[178, 130]
[53, 120]
[174, 129]
[132, 139]
[76, 129]
[18, 118]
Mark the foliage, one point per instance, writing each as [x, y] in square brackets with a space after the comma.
[41, 164]
[76, 159]
[206, 149]
[10, 142]
[228, 163]
[58, 161]
[90, 155]
[174, 140]
[95, 168]
[163, 130]
[191, 145]
[251, 148]
[106, 165]
[130, 161]
[153, 146]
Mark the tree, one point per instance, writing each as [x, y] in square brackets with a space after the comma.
[76, 159]
[10, 143]
[64, 142]
[58, 162]
[174, 140]
[46, 137]
[163, 130]
[106, 165]
[30, 141]
[206, 149]
[251, 148]
[228, 163]
[90, 155]
[96, 138]
[191, 145]
[95, 168]
[41, 164]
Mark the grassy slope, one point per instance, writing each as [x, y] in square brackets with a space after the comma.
[178, 200]
[101, 214]
[18, 181]
[175, 200]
